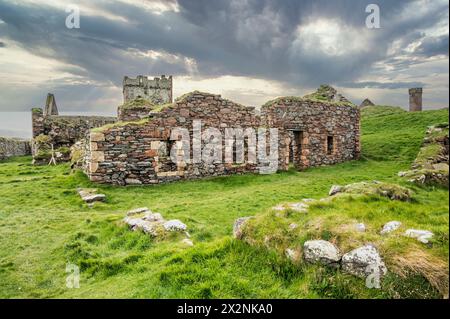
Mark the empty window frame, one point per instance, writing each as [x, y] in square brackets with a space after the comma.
[330, 145]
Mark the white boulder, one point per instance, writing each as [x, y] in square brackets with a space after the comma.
[334, 190]
[174, 225]
[237, 227]
[138, 211]
[321, 251]
[363, 261]
[390, 227]
[421, 235]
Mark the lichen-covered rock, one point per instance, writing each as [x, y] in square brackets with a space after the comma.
[390, 227]
[421, 235]
[301, 207]
[237, 227]
[153, 217]
[321, 251]
[391, 191]
[360, 227]
[137, 211]
[174, 225]
[292, 254]
[91, 196]
[334, 190]
[363, 261]
[428, 177]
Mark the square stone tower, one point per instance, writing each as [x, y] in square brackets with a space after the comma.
[415, 99]
[157, 90]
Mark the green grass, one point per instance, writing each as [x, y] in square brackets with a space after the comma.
[44, 225]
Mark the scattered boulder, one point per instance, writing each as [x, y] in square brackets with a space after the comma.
[360, 227]
[137, 211]
[390, 227]
[140, 224]
[427, 177]
[335, 189]
[90, 195]
[321, 251]
[292, 254]
[362, 261]
[152, 223]
[421, 235]
[153, 217]
[391, 191]
[174, 225]
[238, 225]
[431, 164]
[301, 207]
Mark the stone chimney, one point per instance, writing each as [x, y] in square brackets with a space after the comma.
[415, 99]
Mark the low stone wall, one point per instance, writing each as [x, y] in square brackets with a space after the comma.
[14, 147]
[310, 133]
[64, 131]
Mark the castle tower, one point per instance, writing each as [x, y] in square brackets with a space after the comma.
[50, 105]
[157, 90]
[415, 99]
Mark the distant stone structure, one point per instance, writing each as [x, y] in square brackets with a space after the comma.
[50, 105]
[157, 91]
[62, 131]
[366, 103]
[320, 129]
[14, 147]
[415, 99]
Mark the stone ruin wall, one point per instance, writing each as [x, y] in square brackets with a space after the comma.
[316, 124]
[415, 99]
[138, 153]
[10, 147]
[65, 130]
[158, 91]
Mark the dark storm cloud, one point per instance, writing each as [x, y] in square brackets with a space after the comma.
[254, 38]
[382, 85]
[432, 46]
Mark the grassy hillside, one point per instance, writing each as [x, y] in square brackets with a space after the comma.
[44, 224]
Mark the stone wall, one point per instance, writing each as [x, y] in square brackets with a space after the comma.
[157, 91]
[14, 147]
[64, 131]
[139, 152]
[313, 133]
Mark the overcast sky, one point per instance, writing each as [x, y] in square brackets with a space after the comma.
[249, 51]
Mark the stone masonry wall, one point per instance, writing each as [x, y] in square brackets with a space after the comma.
[329, 133]
[14, 147]
[66, 130]
[138, 152]
[157, 91]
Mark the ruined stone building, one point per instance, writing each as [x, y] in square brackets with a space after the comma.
[138, 146]
[61, 131]
[157, 91]
[319, 129]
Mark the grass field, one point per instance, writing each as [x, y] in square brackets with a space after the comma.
[44, 225]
